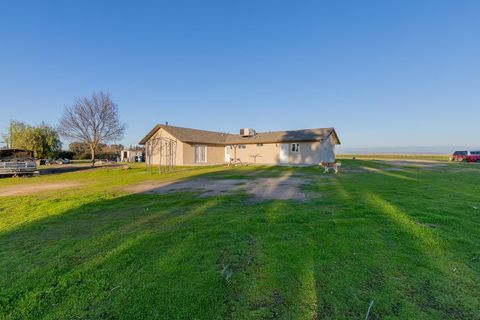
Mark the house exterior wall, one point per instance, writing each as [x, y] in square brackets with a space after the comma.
[252, 153]
[215, 154]
[313, 153]
[310, 153]
[269, 153]
[153, 157]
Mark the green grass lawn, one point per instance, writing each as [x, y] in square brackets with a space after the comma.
[407, 238]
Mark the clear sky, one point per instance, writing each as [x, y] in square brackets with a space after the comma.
[384, 73]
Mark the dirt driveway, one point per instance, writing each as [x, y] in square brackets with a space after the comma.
[24, 189]
[280, 188]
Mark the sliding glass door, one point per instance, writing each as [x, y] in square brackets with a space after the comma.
[200, 154]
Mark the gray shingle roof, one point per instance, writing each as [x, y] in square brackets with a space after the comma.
[284, 136]
[211, 137]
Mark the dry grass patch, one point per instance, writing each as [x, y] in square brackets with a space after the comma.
[24, 189]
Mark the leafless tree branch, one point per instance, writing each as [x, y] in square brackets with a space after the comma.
[92, 120]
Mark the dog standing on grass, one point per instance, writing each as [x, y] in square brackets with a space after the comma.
[330, 165]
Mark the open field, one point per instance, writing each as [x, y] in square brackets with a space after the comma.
[437, 157]
[201, 244]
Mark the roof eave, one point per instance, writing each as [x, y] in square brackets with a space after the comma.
[149, 135]
[158, 126]
[337, 140]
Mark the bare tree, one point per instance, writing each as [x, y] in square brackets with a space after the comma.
[93, 120]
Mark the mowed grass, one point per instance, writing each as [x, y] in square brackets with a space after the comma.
[406, 238]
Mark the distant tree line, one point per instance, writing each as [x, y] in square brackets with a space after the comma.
[81, 150]
[91, 122]
[43, 139]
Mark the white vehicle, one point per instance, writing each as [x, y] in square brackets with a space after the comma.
[62, 161]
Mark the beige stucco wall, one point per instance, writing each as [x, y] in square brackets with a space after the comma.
[269, 153]
[215, 154]
[313, 153]
[153, 157]
[266, 154]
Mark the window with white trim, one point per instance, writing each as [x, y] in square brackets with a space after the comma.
[295, 147]
[200, 154]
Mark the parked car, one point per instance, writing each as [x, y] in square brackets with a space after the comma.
[17, 162]
[62, 161]
[467, 156]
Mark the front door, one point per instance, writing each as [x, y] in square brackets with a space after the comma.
[228, 153]
[284, 153]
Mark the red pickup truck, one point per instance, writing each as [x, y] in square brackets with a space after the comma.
[467, 156]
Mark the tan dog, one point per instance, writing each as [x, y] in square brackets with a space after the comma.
[330, 165]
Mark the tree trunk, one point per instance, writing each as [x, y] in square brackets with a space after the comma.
[92, 151]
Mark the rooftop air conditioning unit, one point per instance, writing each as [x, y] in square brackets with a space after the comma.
[247, 132]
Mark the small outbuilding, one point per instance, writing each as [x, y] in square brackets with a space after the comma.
[132, 156]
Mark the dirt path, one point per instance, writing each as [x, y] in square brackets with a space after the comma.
[415, 163]
[24, 189]
[281, 188]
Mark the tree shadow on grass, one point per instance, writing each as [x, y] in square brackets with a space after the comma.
[138, 255]
[177, 256]
[59, 169]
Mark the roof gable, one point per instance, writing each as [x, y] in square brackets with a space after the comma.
[189, 134]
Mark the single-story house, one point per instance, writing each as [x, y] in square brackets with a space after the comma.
[185, 146]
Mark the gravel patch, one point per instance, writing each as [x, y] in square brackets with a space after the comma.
[279, 188]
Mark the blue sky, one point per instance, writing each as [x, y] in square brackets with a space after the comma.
[384, 73]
